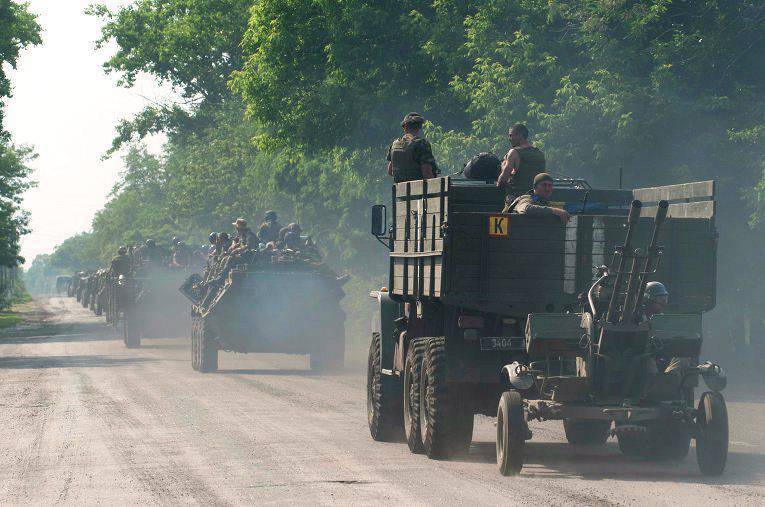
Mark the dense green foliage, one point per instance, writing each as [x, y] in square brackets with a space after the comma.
[290, 104]
[18, 29]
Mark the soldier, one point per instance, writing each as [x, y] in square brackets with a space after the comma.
[244, 236]
[269, 229]
[521, 164]
[120, 264]
[293, 227]
[537, 202]
[655, 299]
[410, 157]
[181, 255]
[151, 252]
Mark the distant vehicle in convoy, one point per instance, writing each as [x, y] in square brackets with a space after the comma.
[146, 303]
[62, 284]
[525, 318]
[270, 304]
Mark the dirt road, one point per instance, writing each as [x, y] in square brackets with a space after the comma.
[86, 421]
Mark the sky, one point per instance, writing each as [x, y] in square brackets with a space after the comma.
[66, 107]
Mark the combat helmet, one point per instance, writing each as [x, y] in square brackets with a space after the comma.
[653, 291]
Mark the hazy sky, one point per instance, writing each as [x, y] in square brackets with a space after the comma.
[66, 107]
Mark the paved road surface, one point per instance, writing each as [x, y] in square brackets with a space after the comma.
[86, 421]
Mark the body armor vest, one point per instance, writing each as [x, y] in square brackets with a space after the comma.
[402, 158]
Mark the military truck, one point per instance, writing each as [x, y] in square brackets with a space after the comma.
[270, 304]
[146, 303]
[526, 318]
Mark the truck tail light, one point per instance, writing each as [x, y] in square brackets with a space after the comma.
[470, 322]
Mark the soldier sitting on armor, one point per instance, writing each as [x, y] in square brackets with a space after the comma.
[120, 264]
[269, 229]
[537, 201]
[244, 236]
[293, 227]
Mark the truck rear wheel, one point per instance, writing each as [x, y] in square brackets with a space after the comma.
[384, 410]
[443, 426]
[412, 373]
[586, 431]
[204, 349]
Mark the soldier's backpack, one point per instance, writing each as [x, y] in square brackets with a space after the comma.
[484, 166]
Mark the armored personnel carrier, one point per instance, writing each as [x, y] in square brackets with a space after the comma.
[272, 303]
[146, 303]
[526, 318]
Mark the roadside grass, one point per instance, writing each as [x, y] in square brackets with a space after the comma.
[10, 319]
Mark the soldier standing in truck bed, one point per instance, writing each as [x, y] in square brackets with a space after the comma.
[410, 157]
[521, 164]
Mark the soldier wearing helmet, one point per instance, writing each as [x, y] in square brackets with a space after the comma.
[269, 229]
[655, 299]
[120, 264]
[293, 227]
[410, 157]
[151, 252]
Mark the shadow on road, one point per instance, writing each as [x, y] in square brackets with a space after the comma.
[57, 333]
[272, 372]
[34, 362]
[179, 346]
[597, 463]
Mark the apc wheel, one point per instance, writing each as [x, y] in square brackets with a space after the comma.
[204, 349]
[443, 426]
[384, 409]
[412, 373]
[586, 431]
[712, 436]
[131, 334]
[511, 434]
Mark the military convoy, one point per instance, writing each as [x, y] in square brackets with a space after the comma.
[524, 318]
[272, 303]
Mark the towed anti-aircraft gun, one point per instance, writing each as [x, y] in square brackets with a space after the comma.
[482, 307]
[616, 350]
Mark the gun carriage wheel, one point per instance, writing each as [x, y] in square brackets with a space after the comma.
[511, 433]
[712, 433]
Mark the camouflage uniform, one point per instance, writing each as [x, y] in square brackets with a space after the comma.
[269, 231]
[120, 265]
[530, 204]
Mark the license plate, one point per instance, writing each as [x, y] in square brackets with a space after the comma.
[503, 343]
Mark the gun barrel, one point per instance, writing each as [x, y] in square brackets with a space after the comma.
[652, 256]
[626, 250]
